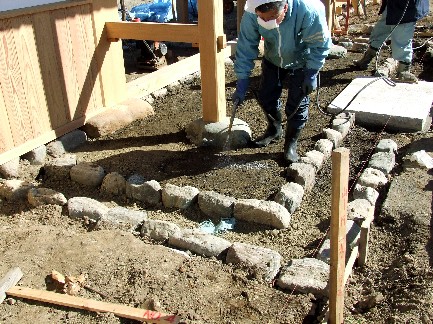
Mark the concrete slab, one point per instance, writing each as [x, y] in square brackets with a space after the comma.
[408, 104]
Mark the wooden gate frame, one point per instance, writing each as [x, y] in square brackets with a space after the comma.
[108, 84]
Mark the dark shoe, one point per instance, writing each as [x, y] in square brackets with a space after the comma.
[273, 133]
[404, 74]
[363, 63]
[291, 144]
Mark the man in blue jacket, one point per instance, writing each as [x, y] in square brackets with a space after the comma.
[296, 41]
[397, 21]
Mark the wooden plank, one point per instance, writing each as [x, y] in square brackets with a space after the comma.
[48, 54]
[173, 32]
[350, 263]
[30, 70]
[48, 136]
[151, 82]
[95, 84]
[67, 61]
[340, 179]
[156, 80]
[363, 240]
[108, 55]
[6, 140]
[93, 305]
[8, 281]
[11, 83]
[82, 55]
[42, 8]
[212, 60]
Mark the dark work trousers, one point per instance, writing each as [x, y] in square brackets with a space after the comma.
[271, 87]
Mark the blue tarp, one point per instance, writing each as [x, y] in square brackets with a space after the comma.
[161, 11]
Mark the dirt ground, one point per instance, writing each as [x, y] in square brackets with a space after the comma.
[136, 271]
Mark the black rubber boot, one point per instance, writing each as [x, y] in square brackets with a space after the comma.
[369, 55]
[274, 131]
[291, 144]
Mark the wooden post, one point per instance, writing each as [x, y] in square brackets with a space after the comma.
[363, 240]
[210, 23]
[240, 11]
[340, 179]
[112, 70]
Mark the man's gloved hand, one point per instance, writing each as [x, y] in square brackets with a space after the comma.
[310, 81]
[241, 90]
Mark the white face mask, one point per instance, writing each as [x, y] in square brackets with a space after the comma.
[270, 24]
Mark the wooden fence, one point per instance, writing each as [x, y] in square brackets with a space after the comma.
[57, 70]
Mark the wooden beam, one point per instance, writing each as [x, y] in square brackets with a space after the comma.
[186, 33]
[8, 281]
[42, 8]
[340, 179]
[108, 55]
[210, 22]
[93, 305]
[156, 80]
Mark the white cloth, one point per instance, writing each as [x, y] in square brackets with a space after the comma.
[251, 5]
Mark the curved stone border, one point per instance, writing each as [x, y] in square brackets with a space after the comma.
[308, 275]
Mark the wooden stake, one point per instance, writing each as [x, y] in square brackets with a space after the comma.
[9, 280]
[93, 305]
[340, 179]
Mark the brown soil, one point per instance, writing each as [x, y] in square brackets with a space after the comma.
[135, 271]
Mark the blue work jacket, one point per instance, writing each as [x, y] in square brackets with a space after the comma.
[302, 39]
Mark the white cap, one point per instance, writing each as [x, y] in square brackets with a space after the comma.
[251, 5]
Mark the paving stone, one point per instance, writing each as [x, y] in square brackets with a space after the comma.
[290, 196]
[159, 230]
[396, 103]
[179, 197]
[128, 218]
[324, 146]
[315, 158]
[88, 174]
[372, 178]
[117, 117]
[361, 192]
[303, 174]
[267, 260]
[262, 212]
[334, 136]
[10, 169]
[383, 161]
[79, 207]
[36, 156]
[148, 192]
[45, 196]
[353, 232]
[198, 242]
[306, 275]
[66, 143]
[215, 205]
[60, 168]
[14, 189]
[113, 184]
[386, 145]
[358, 210]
